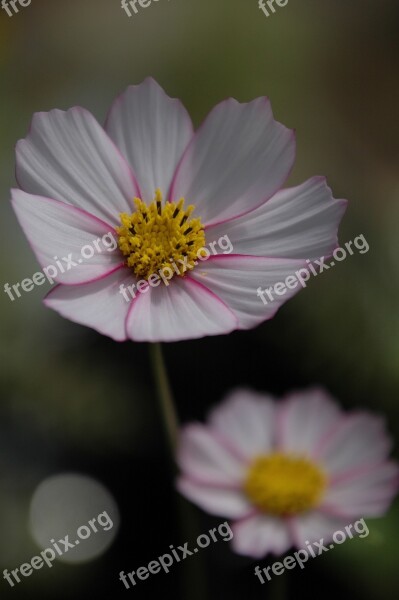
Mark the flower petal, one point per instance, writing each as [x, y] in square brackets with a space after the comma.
[152, 130]
[246, 418]
[236, 280]
[238, 158]
[183, 310]
[99, 304]
[368, 493]
[203, 456]
[356, 441]
[69, 157]
[260, 535]
[298, 222]
[58, 231]
[215, 500]
[304, 418]
[315, 526]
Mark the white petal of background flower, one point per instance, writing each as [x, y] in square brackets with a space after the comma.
[238, 158]
[368, 492]
[312, 526]
[304, 419]
[217, 501]
[247, 419]
[359, 439]
[151, 130]
[69, 157]
[204, 456]
[261, 534]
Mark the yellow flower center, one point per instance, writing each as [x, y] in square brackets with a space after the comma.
[158, 236]
[281, 484]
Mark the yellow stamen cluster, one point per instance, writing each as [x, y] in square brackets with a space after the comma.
[284, 485]
[156, 236]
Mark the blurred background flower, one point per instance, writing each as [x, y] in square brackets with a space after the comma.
[74, 401]
[289, 472]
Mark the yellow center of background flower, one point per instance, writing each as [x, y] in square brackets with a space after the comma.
[281, 484]
[158, 236]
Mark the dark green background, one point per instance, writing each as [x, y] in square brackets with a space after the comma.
[73, 400]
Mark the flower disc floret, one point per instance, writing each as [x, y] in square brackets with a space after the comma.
[284, 485]
[158, 236]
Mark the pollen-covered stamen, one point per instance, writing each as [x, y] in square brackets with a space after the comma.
[281, 484]
[158, 236]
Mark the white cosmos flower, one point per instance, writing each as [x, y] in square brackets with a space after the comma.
[287, 472]
[79, 181]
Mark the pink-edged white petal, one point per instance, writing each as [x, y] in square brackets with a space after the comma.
[368, 493]
[238, 158]
[69, 157]
[236, 279]
[316, 526]
[260, 535]
[206, 457]
[216, 500]
[298, 222]
[59, 233]
[246, 418]
[152, 130]
[99, 304]
[183, 310]
[357, 440]
[305, 418]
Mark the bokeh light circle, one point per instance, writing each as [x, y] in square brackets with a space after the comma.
[63, 505]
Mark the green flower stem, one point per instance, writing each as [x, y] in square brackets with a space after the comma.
[280, 587]
[167, 405]
[193, 580]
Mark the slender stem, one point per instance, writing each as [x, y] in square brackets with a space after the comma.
[280, 588]
[194, 584]
[167, 405]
